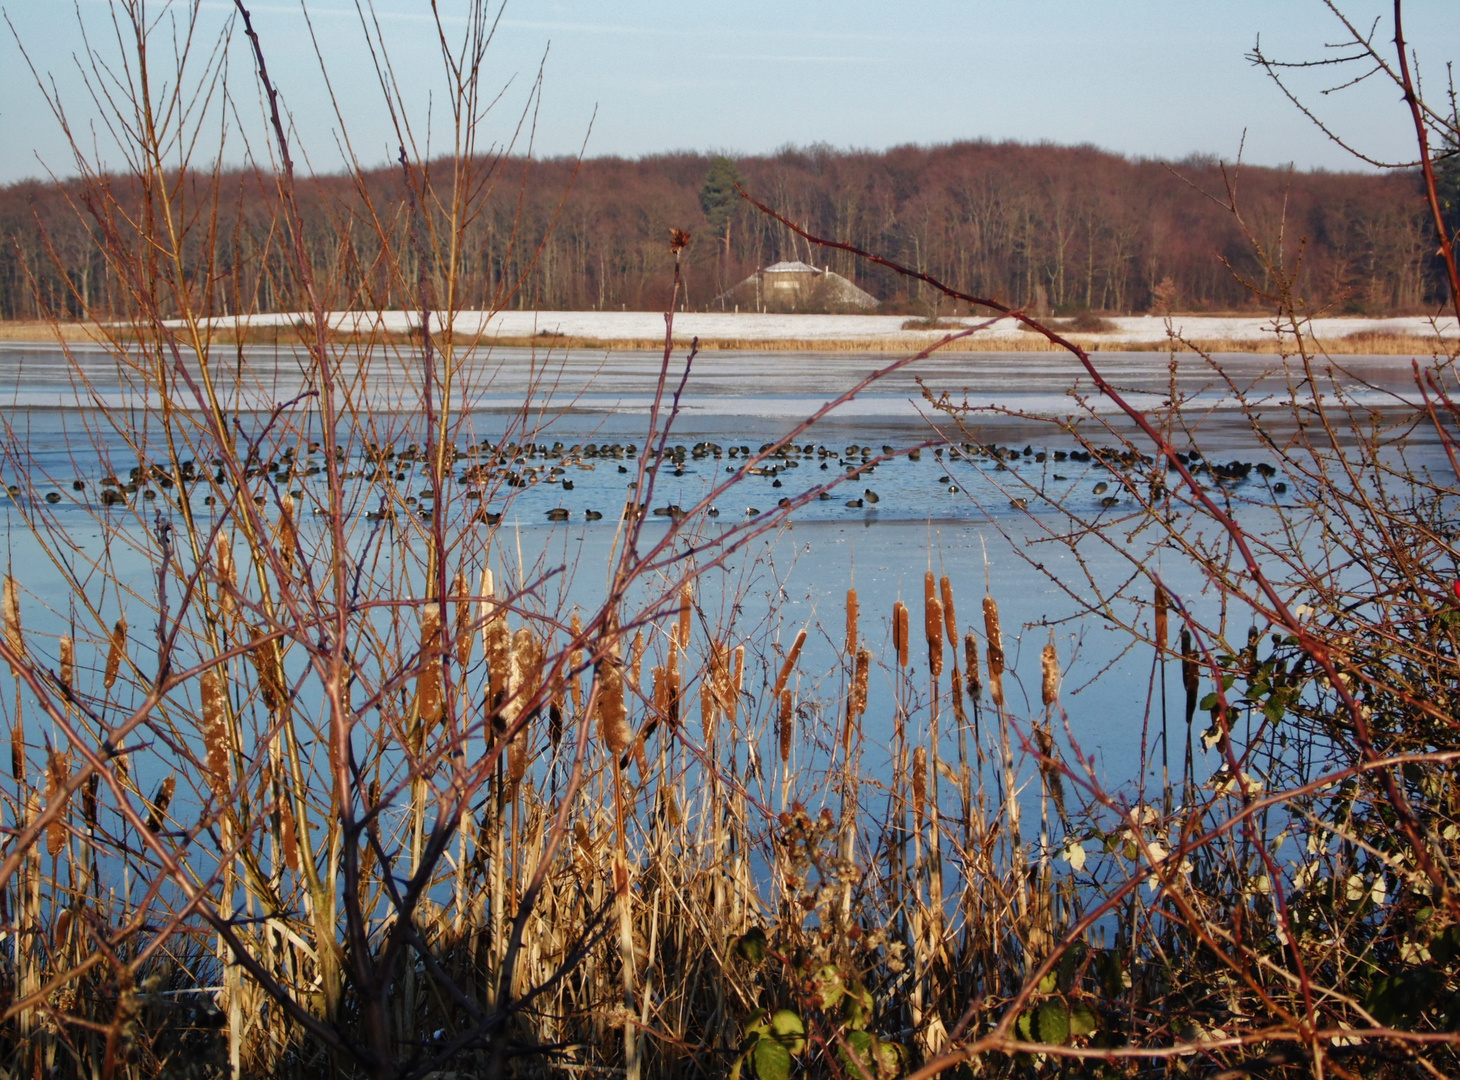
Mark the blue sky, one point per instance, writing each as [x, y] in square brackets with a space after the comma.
[1141, 77]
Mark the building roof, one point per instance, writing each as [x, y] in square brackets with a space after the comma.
[790, 268]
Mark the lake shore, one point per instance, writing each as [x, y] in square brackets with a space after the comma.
[621, 330]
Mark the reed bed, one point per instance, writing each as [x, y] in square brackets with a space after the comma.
[316, 770]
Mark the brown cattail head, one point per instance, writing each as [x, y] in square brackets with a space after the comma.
[524, 676]
[288, 536]
[852, 637]
[227, 575]
[160, 802]
[919, 784]
[970, 664]
[1190, 673]
[497, 648]
[956, 689]
[613, 714]
[686, 607]
[114, 653]
[859, 683]
[790, 664]
[17, 750]
[787, 726]
[10, 618]
[215, 733]
[636, 658]
[737, 682]
[1161, 620]
[575, 661]
[995, 638]
[462, 626]
[1049, 666]
[673, 683]
[429, 675]
[88, 800]
[899, 633]
[68, 664]
[933, 625]
[708, 709]
[58, 774]
[288, 833]
[950, 620]
[265, 657]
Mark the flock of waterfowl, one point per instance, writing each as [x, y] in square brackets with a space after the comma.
[486, 468]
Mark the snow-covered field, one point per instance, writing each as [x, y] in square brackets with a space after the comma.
[708, 326]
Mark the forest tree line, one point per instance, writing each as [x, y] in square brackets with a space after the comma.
[1061, 229]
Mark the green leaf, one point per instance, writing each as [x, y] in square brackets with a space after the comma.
[789, 1030]
[890, 1060]
[752, 945]
[1024, 1026]
[1047, 984]
[735, 1069]
[771, 1060]
[1052, 1023]
[1210, 701]
[857, 1055]
[757, 1025]
[857, 1007]
[1082, 1020]
[827, 987]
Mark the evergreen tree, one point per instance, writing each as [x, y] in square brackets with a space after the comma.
[718, 198]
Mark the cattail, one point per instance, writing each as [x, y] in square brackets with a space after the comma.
[956, 689]
[1190, 673]
[227, 576]
[215, 732]
[675, 688]
[950, 620]
[160, 803]
[265, 658]
[575, 661]
[462, 626]
[707, 710]
[996, 650]
[919, 784]
[1161, 620]
[613, 716]
[288, 536]
[859, 684]
[790, 664]
[429, 689]
[636, 658]
[852, 637]
[17, 751]
[686, 602]
[58, 773]
[88, 801]
[62, 927]
[970, 664]
[737, 682]
[497, 648]
[904, 633]
[933, 625]
[68, 665]
[288, 833]
[1049, 666]
[114, 654]
[787, 726]
[10, 618]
